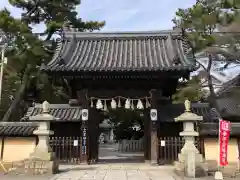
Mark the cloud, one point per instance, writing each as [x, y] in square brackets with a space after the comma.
[133, 15]
[14, 11]
[124, 15]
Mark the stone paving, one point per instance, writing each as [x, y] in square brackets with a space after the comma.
[135, 171]
[113, 166]
[116, 172]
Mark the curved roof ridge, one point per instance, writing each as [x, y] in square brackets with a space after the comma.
[119, 34]
[57, 51]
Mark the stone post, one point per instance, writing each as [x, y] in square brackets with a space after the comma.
[190, 161]
[43, 151]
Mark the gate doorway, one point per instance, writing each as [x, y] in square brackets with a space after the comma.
[121, 136]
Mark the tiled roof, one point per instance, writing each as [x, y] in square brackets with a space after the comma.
[124, 51]
[17, 128]
[235, 82]
[229, 106]
[212, 129]
[63, 112]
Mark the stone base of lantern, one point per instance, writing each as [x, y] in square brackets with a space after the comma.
[183, 157]
[45, 156]
[34, 167]
[182, 169]
[39, 162]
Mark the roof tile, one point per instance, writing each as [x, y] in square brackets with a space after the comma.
[62, 112]
[17, 128]
[201, 109]
[146, 51]
[233, 83]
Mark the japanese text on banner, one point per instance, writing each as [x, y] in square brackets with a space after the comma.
[224, 130]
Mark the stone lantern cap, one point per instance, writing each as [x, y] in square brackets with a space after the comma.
[44, 116]
[188, 115]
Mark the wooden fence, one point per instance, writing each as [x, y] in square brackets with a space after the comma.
[67, 149]
[131, 145]
[170, 147]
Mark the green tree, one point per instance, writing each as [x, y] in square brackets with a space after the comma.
[28, 50]
[191, 90]
[23, 52]
[123, 121]
[200, 22]
[53, 14]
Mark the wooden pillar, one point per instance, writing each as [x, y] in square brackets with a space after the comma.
[147, 139]
[84, 128]
[93, 135]
[85, 143]
[90, 128]
[153, 130]
[90, 135]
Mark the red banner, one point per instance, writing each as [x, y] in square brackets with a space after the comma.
[224, 133]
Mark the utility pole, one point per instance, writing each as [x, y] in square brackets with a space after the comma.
[1, 71]
[3, 43]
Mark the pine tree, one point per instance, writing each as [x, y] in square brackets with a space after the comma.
[212, 27]
[27, 50]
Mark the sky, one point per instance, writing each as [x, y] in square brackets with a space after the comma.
[125, 15]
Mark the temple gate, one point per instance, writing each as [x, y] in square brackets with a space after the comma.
[103, 70]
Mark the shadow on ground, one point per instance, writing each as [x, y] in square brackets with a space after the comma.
[108, 153]
[120, 161]
[78, 168]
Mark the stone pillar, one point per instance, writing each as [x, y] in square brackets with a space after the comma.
[190, 161]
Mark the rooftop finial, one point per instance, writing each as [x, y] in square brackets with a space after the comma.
[66, 26]
[187, 104]
[71, 28]
[45, 106]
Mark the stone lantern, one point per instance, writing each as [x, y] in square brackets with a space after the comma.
[43, 151]
[190, 161]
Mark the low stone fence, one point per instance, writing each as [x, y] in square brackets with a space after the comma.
[130, 146]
